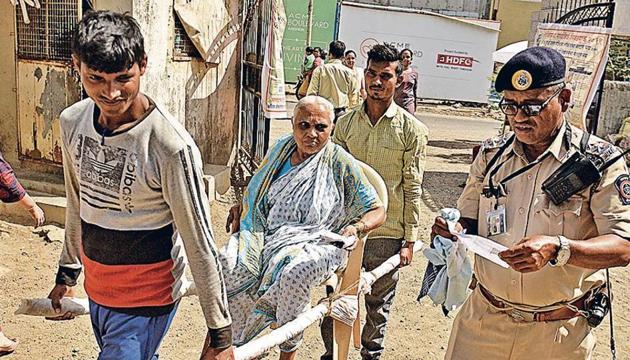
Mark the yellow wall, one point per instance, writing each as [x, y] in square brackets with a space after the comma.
[516, 19]
[8, 96]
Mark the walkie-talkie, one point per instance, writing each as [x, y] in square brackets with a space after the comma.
[575, 174]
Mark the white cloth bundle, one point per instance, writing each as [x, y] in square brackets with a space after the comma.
[77, 306]
[43, 307]
[23, 3]
[262, 344]
[450, 271]
[345, 309]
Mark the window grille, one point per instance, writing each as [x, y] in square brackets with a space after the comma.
[183, 48]
[49, 35]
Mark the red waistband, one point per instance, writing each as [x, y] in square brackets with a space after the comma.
[127, 286]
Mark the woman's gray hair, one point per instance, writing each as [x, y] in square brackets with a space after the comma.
[314, 100]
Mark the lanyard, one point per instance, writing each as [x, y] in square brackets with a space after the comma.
[499, 190]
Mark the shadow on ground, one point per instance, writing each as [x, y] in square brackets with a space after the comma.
[455, 158]
[453, 144]
[441, 189]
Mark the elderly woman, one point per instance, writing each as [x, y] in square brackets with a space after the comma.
[304, 185]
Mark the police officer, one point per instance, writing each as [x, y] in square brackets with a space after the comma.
[557, 250]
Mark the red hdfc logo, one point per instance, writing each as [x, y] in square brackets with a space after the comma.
[455, 60]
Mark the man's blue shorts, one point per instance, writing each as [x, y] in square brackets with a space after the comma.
[128, 337]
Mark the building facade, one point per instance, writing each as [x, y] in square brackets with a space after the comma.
[476, 9]
[39, 82]
[516, 19]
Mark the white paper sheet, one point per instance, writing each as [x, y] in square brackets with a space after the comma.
[483, 247]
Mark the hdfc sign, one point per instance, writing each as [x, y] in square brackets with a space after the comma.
[455, 60]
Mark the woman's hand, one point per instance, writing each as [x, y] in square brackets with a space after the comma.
[351, 231]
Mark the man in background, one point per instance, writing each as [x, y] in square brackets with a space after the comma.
[393, 142]
[334, 81]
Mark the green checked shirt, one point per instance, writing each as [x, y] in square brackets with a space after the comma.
[396, 147]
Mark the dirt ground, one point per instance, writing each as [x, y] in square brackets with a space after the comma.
[28, 261]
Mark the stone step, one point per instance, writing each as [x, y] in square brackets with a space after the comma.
[41, 182]
[217, 179]
[54, 208]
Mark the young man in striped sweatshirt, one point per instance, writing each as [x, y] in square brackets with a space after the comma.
[136, 213]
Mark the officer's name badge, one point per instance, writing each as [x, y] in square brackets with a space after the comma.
[521, 80]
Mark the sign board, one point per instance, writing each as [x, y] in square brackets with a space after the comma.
[294, 43]
[585, 49]
[274, 99]
[452, 56]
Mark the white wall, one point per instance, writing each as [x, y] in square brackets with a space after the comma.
[432, 38]
[615, 107]
[621, 22]
[465, 8]
[203, 97]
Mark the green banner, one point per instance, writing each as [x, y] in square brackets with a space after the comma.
[324, 17]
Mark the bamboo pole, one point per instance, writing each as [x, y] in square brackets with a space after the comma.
[309, 26]
[276, 337]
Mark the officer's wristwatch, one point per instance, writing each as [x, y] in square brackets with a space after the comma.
[564, 252]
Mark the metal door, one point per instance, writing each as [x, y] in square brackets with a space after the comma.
[254, 128]
[45, 81]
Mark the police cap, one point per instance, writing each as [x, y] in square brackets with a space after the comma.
[532, 68]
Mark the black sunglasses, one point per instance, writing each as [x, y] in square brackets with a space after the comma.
[511, 109]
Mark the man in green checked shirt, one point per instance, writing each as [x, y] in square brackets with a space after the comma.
[393, 142]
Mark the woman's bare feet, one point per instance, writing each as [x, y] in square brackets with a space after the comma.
[7, 345]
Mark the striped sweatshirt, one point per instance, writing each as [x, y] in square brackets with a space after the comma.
[137, 217]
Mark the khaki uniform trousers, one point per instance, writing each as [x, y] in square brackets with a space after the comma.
[482, 331]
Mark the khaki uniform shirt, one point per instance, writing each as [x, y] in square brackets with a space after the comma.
[396, 148]
[595, 211]
[335, 82]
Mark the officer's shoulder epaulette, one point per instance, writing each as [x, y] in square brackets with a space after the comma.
[602, 149]
[494, 142]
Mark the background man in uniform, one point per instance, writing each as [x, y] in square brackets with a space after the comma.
[136, 203]
[555, 251]
[393, 142]
[334, 81]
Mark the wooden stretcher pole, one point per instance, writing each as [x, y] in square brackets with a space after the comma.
[342, 333]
